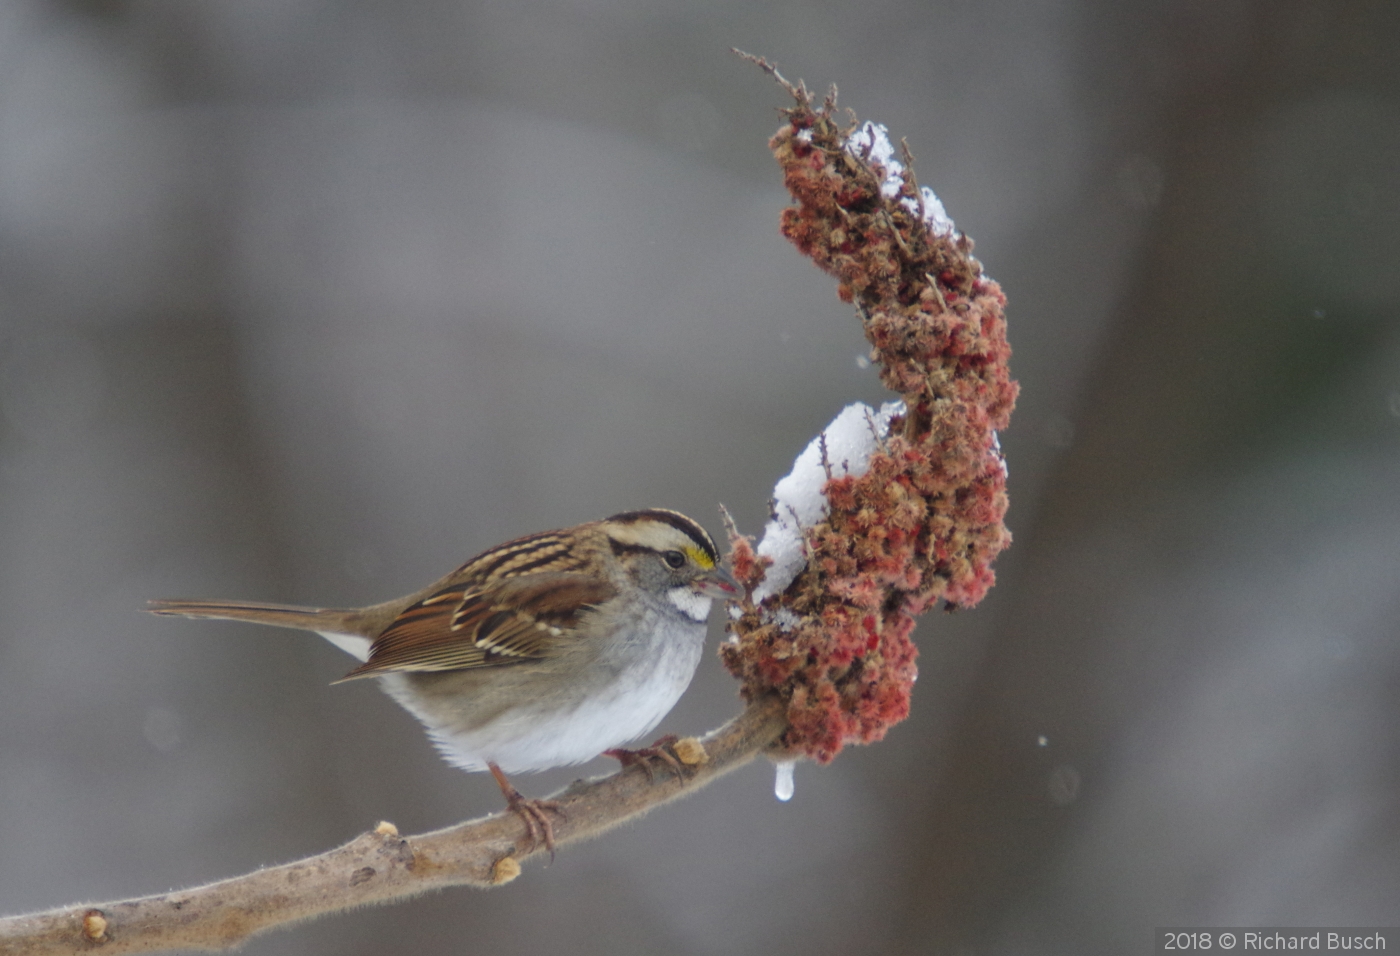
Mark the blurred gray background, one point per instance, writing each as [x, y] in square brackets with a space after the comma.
[311, 301]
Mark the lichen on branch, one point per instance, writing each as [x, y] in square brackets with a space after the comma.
[923, 521]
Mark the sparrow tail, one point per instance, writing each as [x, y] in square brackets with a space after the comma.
[279, 615]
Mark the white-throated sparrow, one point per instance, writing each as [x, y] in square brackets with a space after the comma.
[541, 652]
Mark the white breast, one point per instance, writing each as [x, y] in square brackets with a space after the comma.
[531, 737]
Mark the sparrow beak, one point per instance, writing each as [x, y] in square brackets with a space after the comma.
[717, 583]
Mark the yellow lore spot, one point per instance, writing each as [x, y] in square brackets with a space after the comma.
[700, 558]
[386, 829]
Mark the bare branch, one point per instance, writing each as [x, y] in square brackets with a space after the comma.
[798, 92]
[379, 866]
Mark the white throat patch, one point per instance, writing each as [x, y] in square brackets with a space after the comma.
[692, 605]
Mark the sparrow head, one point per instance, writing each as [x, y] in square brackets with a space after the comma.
[672, 553]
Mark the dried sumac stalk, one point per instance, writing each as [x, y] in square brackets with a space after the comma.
[923, 521]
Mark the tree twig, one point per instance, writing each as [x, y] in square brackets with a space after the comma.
[376, 867]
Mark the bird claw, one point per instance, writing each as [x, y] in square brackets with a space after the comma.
[531, 812]
[537, 823]
[642, 757]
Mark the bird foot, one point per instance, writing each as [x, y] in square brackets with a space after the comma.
[534, 813]
[662, 751]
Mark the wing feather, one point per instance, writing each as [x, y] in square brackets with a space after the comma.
[472, 624]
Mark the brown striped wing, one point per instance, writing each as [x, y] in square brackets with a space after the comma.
[466, 625]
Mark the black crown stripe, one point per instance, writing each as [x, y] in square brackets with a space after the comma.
[676, 520]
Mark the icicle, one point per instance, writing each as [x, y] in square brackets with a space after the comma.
[782, 785]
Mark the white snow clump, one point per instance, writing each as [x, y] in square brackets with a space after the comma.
[871, 142]
[798, 502]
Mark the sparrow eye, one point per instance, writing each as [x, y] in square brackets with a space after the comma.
[674, 559]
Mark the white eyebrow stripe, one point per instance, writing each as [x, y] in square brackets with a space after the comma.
[653, 535]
